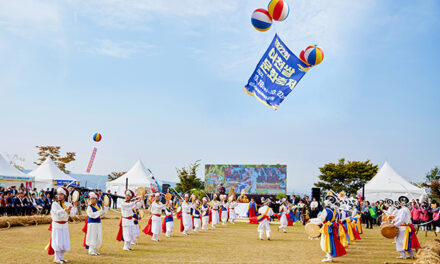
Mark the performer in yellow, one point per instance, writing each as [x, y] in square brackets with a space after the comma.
[406, 239]
[264, 219]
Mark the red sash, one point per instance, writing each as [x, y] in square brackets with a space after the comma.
[50, 250]
[164, 225]
[84, 229]
[147, 229]
[119, 235]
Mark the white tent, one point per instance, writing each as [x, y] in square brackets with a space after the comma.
[388, 184]
[138, 176]
[9, 175]
[48, 175]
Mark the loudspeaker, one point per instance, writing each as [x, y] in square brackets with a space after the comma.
[316, 193]
[165, 187]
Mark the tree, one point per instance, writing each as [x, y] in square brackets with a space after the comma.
[53, 152]
[347, 176]
[432, 182]
[16, 161]
[114, 175]
[188, 178]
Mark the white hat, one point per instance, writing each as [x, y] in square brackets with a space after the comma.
[283, 200]
[157, 195]
[204, 199]
[93, 195]
[129, 192]
[186, 195]
[63, 190]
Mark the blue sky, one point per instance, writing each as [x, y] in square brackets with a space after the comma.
[163, 82]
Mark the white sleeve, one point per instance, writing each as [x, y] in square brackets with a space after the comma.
[57, 210]
[92, 214]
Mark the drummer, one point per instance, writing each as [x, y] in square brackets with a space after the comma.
[330, 243]
[406, 231]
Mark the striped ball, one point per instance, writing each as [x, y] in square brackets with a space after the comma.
[278, 10]
[261, 20]
[97, 137]
[313, 55]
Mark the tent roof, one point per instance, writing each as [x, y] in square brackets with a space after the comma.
[7, 169]
[137, 175]
[387, 180]
[48, 170]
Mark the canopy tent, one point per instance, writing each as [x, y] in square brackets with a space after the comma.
[48, 175]
[138, 176]
[9, 175]
[388, 184]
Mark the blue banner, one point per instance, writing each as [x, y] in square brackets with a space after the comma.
[65, 183]
[275, 76]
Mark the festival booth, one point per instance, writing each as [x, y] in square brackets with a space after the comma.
[10, 176]
[388, 184]
[138, 176]
[48, 176]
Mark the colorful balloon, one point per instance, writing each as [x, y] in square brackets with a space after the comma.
[313, 55]
[261, 20]
[97, 137]
[278, 10]
[301, 57]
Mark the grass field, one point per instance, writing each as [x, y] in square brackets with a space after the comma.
[227, 244]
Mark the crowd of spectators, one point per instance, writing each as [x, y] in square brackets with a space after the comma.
[24, 201]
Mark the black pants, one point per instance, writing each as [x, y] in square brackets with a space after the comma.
[370, 221]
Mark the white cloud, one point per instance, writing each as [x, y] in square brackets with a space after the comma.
[123, 49]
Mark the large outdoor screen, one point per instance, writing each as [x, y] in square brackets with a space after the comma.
[254, 179]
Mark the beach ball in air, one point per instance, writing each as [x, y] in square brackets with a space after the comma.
[278, 10]
[261, 20]
[97, 137]
[313, 55]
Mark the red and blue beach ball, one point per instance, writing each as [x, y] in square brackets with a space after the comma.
[278, 10]
[313, 55]
[97, 137]
[261, 20]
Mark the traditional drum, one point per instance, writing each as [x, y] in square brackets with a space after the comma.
[75, 196]
[312, 230]
[389, 230]
[106, 201]
[140, 191]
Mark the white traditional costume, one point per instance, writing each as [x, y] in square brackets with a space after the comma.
[127, 226]
[283, 215]
[154, 226]
[232, 214]
[406, 239]
[265, 212]
[205, 214]
[215, 213]
[186, 216]
[60, 239]
[93, 239]
[224, 212]
[197, 217]
[169, 223]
